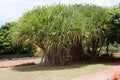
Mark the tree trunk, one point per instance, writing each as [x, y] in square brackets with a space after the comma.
[56, 58]
[77, 51]
[100, 48]
[107, 49]
[95, 42]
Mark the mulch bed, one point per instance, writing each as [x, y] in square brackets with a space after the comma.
[18, 65]
[18, 59]
[25, 58]
[4, 60]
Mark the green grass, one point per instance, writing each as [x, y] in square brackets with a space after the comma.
[39, 72]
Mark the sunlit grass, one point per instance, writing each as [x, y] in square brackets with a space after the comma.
[38, 72]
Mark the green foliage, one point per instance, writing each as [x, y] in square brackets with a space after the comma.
[8, 47]
[5, 41]
[10, 56]
[112, 49]
[113, 32]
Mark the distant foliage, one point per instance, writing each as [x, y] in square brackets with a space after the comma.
[113, 27]
[113, 32]
[7, 46]
[5, 41]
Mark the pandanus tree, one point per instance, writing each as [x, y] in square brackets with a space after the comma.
[63, 32]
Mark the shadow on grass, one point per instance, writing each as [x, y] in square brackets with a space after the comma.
[39, 67]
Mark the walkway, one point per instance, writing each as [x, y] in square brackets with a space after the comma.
[102, 75]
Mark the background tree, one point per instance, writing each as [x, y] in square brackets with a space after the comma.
[113, 29]
[5, 41]
[7, 46]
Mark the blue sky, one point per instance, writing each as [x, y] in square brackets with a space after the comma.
[11, 10]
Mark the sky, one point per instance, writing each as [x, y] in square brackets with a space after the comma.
[11, 10]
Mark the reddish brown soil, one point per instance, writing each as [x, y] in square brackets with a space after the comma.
[18, 65]
[17, 62]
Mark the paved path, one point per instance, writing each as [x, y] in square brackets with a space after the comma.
[102, 75]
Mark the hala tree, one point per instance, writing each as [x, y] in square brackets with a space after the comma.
[63, 32]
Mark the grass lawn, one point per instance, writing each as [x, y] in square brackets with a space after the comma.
[38, 72]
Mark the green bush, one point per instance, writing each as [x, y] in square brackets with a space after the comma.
[9, 56]
[113, 49]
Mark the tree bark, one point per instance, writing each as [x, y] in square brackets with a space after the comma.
[107, 49]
